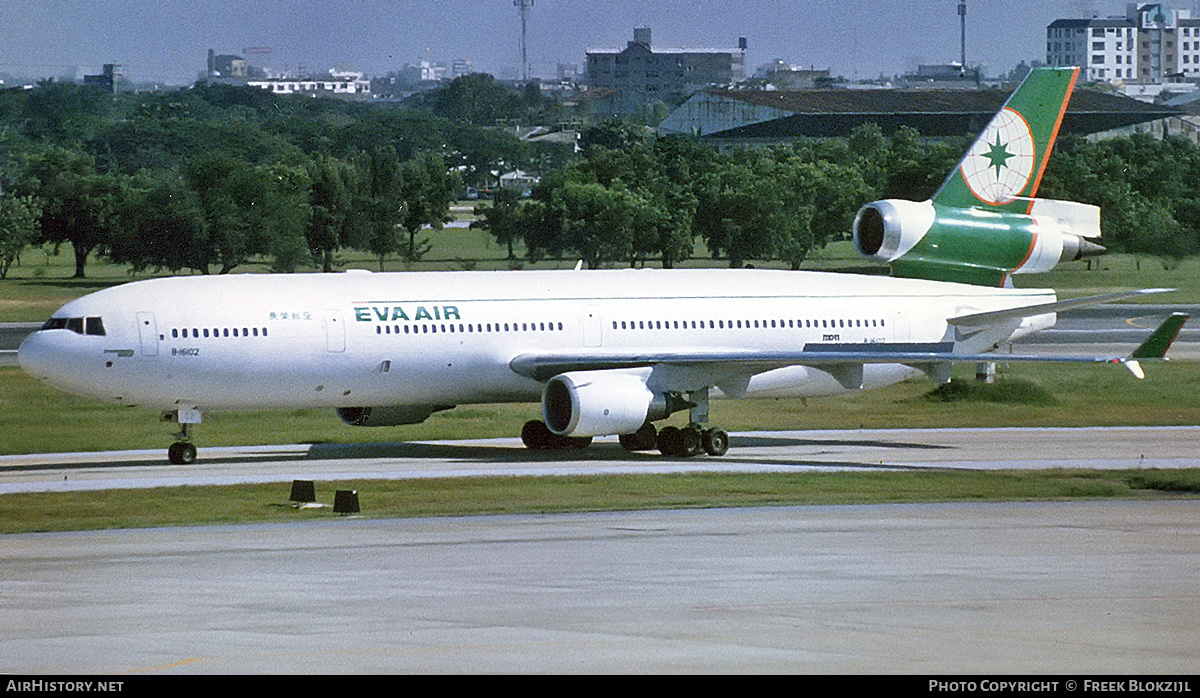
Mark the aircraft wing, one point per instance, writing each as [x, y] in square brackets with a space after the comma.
[839, 359]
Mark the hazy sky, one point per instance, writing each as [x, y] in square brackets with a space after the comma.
[168, 40]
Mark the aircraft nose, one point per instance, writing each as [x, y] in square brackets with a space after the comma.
[33, 357]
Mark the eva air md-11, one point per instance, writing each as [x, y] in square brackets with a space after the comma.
[607, 352]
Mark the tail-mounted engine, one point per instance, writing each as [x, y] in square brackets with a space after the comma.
[975, 245]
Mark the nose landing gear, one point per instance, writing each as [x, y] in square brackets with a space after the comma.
[183, 451]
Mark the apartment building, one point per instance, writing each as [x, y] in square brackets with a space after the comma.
[1151, 44]
[625, 80]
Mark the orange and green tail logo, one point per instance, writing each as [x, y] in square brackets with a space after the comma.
[1004, 166]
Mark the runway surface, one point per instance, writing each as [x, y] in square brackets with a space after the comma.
[786, 451]
[1080, 588]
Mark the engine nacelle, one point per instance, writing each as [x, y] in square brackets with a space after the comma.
[885, 230]
[974, 245]
[388, 415]
[600, 403]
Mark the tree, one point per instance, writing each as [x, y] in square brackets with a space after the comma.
[737, 212]
[334, 221]
[427, 190]
[597, 222]
[18, 228]
[380, 202]
[65, 112]
[80, 205]
[503, 218]
[162, 226]
[250, 210]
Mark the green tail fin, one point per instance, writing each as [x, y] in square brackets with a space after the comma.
[1004, 166]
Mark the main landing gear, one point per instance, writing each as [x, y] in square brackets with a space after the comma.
[688, 441]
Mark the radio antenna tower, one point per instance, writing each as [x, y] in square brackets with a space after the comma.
[962, 18]
[523, 7]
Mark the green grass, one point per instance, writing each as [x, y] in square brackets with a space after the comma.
[239, 504]
[38, 419]
[1015, 391]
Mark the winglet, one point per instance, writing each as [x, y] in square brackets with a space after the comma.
[1156, 345]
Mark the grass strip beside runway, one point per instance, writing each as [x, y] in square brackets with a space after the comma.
[243, 504]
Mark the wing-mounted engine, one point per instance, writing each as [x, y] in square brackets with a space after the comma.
[600, 403]
[388, 415]
[973, 245]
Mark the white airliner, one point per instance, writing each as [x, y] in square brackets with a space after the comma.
[607, 352]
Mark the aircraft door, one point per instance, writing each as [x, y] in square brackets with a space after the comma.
[147, 333]
[335, 331]
[591, 327]
[900, 330]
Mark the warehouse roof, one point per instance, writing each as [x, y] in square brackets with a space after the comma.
[836, 112]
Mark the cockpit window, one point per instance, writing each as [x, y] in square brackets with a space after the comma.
[78, 325]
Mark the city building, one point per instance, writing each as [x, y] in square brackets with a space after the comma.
[235, 70]
[626, 80]
[1151, 44]
[229, 66]
[110, 76]
[332, 84]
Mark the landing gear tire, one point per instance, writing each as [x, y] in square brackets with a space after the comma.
[689, 442]
[669, 441]
[538, 437]
[182, 453]
[715, 442]
[692, 441]
[644, 439]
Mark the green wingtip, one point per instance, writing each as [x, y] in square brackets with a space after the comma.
[1155, 347]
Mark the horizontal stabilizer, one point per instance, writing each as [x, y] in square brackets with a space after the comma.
[992, 317]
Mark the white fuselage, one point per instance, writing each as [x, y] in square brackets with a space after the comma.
[443, 338]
